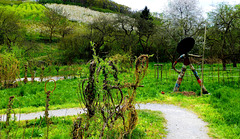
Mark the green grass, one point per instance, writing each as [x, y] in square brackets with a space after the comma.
[50, 70]
[151, 124]
[222, 113]
[33, 94]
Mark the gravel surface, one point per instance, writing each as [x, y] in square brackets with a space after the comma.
[60, 112]
[45, 78]
[181, 123]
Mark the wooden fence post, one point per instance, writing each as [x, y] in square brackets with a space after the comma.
[161, 71]
[157, 65]
[238, 77]
[218, 74]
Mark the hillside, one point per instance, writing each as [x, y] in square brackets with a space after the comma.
[99, 5]
[79, 14]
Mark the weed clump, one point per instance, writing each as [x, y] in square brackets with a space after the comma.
[9, 70]
[106, 105]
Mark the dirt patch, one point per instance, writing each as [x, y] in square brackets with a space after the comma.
[185, 93]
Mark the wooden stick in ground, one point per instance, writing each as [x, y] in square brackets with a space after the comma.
[1, 126]
[46, 112]
[24, 129]
[47, 104]
[33, 127]
[238, 77]
[203, 55]
[227, 77]
[218, 74]
[212, 71]
[161, 71]
[223, 76]
[154, 71]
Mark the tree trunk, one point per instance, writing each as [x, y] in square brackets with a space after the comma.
[51, 34]
[224, 62]
[234, 62]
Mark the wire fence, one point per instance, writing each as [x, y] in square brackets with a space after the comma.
[165, 75]
[211, 74]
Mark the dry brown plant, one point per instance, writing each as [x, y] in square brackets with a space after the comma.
[47, 119]
[103, 98]
[9, 70]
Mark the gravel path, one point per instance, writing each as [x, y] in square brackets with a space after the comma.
[181, 123]
[45, 78]
[60, 112]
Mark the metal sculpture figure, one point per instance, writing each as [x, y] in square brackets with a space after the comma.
[184, 46]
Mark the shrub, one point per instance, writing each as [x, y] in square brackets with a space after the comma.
[9, 70]
[75, 47]
[123, 61]
[10, 30]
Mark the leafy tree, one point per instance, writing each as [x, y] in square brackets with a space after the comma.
[10, 30]
[110, 37]
[162, 46]
[224, 32]
[53, 21]
[74, 47]
[90, 3]
[146, 14]
[145, 29]
[64, 27]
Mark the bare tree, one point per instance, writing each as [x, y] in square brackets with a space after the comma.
[102, 30]
[124, 33]
[55, 22]
[185, 17]
[182, 18]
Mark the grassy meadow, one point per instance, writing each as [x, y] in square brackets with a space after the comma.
[220, 109]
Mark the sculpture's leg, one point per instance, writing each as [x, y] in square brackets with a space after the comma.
[198, 79]
[179, 80]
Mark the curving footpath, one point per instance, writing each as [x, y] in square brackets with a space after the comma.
[181, 123]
